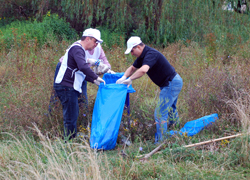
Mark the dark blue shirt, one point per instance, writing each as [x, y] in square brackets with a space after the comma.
[160, 71]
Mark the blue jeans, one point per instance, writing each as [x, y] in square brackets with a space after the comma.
[69, 100]
[82, 100]
[166, 112]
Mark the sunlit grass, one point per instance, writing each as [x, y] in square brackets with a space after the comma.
[32, 148]
[22, 157]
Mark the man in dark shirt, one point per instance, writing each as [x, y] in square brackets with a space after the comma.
[163, 74]
[73, 71]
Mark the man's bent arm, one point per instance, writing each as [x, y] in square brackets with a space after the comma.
[130, 71]
[139, 73]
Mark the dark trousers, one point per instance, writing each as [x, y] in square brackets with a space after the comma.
[82, 100]
[69, 100]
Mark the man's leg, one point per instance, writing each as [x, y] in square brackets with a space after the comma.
[176, 83]
[69, 99]
[167, 103]
[173, 117]
[161, 112]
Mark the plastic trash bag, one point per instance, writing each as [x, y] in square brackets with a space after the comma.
[193, 127]
[107, 113]
[112, 78]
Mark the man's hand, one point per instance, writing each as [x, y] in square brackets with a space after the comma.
[119, 81]
[98, 81]
[127, 81]
[92, 62]
[101, 68]
[111, 72]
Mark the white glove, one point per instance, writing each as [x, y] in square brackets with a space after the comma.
[111, 72]
[98, 81]
[119, 81]
[101, 68]
[92, 61]
[127, 81]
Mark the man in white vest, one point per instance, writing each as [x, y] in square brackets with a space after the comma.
[96, 59]
[73, 71]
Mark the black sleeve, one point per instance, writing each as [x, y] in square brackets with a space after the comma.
[150, 59]
[136, 63]
[89, 79]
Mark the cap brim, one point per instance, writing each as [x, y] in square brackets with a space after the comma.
[128, 50]
[99, 41]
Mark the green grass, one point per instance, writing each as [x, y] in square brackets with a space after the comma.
[31, 145]
[45, 158]
[25, 153]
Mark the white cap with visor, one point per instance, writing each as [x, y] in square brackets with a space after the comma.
[132, 42]
[95, 33]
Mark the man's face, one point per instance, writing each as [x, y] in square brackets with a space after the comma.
[92, 43]
[136, 51]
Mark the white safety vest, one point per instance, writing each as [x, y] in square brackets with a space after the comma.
[79, 76]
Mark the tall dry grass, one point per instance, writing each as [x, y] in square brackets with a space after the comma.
[216, 80]
[27, 79]
[241, 106]
[25, 158]
[22, 157]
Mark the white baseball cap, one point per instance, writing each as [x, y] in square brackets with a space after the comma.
[95, 33]
[132, 42]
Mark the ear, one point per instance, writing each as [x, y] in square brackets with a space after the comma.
[139, 47]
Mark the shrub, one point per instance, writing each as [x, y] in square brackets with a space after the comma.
[51, 26]
[111, 39]
[159, 22]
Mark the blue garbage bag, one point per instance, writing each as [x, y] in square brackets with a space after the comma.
[193, 127]
[107, 113]
[112, 78]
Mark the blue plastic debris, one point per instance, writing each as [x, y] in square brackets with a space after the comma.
[193, 127]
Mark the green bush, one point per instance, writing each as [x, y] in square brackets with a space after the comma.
[155, 21]
[51, 26]
[111, 39]
[58, 27]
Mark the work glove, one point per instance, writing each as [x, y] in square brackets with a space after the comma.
[119, 81]
[111, 72]
[101, 68]
[127, 81]
[92, 62]
[98, 81]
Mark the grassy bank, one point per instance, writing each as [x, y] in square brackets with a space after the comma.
[25, 158]
[209, 87]
[214, 82]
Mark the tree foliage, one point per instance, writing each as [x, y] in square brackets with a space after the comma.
[155, 21]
